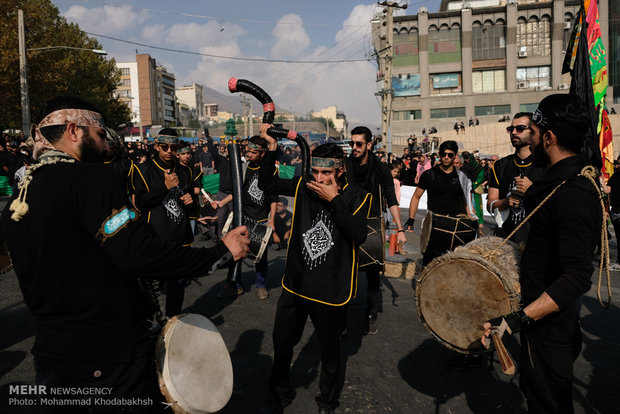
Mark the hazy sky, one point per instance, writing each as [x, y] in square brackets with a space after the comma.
[270, 29]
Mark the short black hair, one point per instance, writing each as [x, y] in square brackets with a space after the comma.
[260, 141]
[284, 201]
[54, 132]
[449, 145]
[329, 150]
[168, 131]
[362, 130]
[522, 115]
[568, 117]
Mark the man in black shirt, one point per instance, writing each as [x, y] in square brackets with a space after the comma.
[162, 194]
[282, 224]
[321, 267]
[447, 192]
[206, 161]
[510, 178]
[257, 206]
[364, 169]
[82, 288]
[556, 266]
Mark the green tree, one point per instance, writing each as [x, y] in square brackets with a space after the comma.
[55, 72]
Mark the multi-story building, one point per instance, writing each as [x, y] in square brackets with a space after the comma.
[148, 90]
[478, 59]
[210, 110]
[192, 96]
[613, 62]
[339, 119]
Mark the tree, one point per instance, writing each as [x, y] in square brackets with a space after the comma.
[55, 72]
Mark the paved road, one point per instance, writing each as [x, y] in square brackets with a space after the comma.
[400, 370]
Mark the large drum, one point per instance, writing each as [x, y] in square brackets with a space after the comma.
[459, 291]
[372, 251]
[442, 233]
[193, 365]
[260, 234]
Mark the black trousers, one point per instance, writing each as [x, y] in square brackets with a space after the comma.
[329, 323]
[546, 367]
[127, 388]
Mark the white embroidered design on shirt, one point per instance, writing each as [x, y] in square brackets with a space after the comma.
[318, 240]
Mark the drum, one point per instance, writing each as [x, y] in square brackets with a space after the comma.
[260, 234]
[193, 365]
[372, 251]
[459, 291]
[442, 233]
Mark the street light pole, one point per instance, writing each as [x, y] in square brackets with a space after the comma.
[23, 74]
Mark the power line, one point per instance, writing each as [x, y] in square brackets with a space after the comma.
[249, 20]
[224, 57]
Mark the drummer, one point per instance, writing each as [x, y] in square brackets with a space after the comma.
[329, 223]
[258, 206]
[556, 266]
[89, 246]
[447, 192]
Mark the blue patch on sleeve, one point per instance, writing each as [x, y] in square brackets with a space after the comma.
[114, 223]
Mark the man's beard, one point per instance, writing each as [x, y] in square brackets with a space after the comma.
[540, 157]
[89, 151]
[518, 144]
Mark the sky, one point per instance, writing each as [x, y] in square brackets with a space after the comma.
[307, 30]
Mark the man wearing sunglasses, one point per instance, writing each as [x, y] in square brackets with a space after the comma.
[448, 194]
[510, 178]
[556, 265]
[365, 170]
[162, 195]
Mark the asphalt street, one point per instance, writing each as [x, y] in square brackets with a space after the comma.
[402, 369]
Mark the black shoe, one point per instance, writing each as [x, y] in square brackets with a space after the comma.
[324, 410]
[465, 361]
[282, 398]
[371, 327]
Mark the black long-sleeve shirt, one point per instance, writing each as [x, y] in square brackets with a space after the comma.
[321, 260]
[374, 177]
[77, 254]
[564, 233]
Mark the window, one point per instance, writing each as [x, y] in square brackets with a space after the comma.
[407, 115]
[447, 113]
[534, 36]
[124, 71]
[444, 44]
[445, 83]
[168, 112]
[484, 81]
[492, 110]
[406, 47]
[534, 77]
[567, 30]
[124, 82]
[488, 40]
[168, 102]
[528, 107]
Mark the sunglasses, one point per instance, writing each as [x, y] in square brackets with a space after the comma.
[519, 128]
[358, 144]
[447, 154]
[166, 147]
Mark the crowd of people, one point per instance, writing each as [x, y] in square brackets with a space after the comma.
[133, 231]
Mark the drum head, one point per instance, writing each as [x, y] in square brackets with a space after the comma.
[195, 370]
[455, 296]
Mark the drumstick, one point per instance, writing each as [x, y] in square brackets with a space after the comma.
[204, 193]
[506, 362]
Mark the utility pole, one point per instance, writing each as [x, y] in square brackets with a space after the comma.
[251, 119]
[385, 67]
[23, 74]
[244, 102]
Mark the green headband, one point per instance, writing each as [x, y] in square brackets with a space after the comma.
[326, 162]
[257, 147]
[167, 139]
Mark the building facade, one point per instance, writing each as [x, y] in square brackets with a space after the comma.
[192, 96]
[338, 119]
[148, 90]
[480, 59]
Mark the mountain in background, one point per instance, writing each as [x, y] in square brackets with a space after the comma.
[231, 102]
